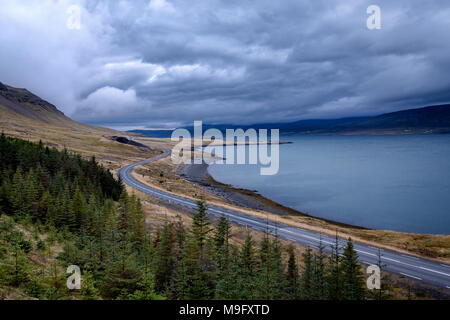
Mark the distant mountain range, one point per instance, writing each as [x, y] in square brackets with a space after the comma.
[427, 120]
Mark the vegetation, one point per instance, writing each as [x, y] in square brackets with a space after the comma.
[79, 205]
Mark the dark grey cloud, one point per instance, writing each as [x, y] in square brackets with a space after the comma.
[168, 62]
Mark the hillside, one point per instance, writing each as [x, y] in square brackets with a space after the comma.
[25, 115]
[26, 104]
[21, 108]
[432, 119]
[435, 118]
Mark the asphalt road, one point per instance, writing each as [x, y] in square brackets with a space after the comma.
[420, 269]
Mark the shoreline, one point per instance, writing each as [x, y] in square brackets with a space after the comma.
[250, 199]
[195, 182]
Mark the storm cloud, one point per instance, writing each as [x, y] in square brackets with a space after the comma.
[164, 63]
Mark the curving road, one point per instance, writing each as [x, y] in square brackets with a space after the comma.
[406, 265]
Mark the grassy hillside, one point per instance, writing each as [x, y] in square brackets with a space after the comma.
[26, 116]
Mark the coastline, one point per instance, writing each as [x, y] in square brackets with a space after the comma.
[195, 182]
[250, 199]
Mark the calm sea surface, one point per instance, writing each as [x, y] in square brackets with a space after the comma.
[385, 182]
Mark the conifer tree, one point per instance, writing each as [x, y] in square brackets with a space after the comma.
[247, 270]
[319, 274]
[164, 263]
[264, 272]
[383, 293]
[138, 222]
[17, 198]
[222, 233]
[178, 281]
[352, 276]
[19, 272]
[78, 207]
[200, 225]
[334, 273]
[277, 280]
[44, 207]
[222, 256]
[197, 277]
[122, 275]
[292, 276]
[307, 274]
[67, 217]
[31, 193]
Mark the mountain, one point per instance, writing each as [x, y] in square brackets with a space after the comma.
[20, 105]
[25, 113]
[24, 103]
[26, 116]
[432, 119]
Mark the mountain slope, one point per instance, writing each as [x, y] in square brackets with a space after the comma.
[25, 103]
[25, 115]
[432, 119]
[19, 105]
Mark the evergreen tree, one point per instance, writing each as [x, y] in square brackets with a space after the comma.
[292, 276]
[17, 198]
[178, 281]
[352, 276]
[334, 273]
[122, 275]
[88, 289]
[31, 188]
[271, 283]
[200, 225]
[383, 293]
[78, 208]
[319, 274]
[164, 262]
[20, 271]
[222, 233]
[146, 290]
[247, 279]
[277, 280]
[198, 260]
[44, 207]
[222, 256]
[307, 275]
[197, 276]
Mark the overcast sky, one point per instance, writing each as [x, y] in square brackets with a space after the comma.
[162, 63]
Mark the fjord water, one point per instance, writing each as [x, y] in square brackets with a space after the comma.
[397, 183]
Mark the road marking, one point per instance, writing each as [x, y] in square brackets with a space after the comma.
[408, 275]
[435, 271]
[125, 174]
[368, 253]
[136, 183]
[394, 260]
